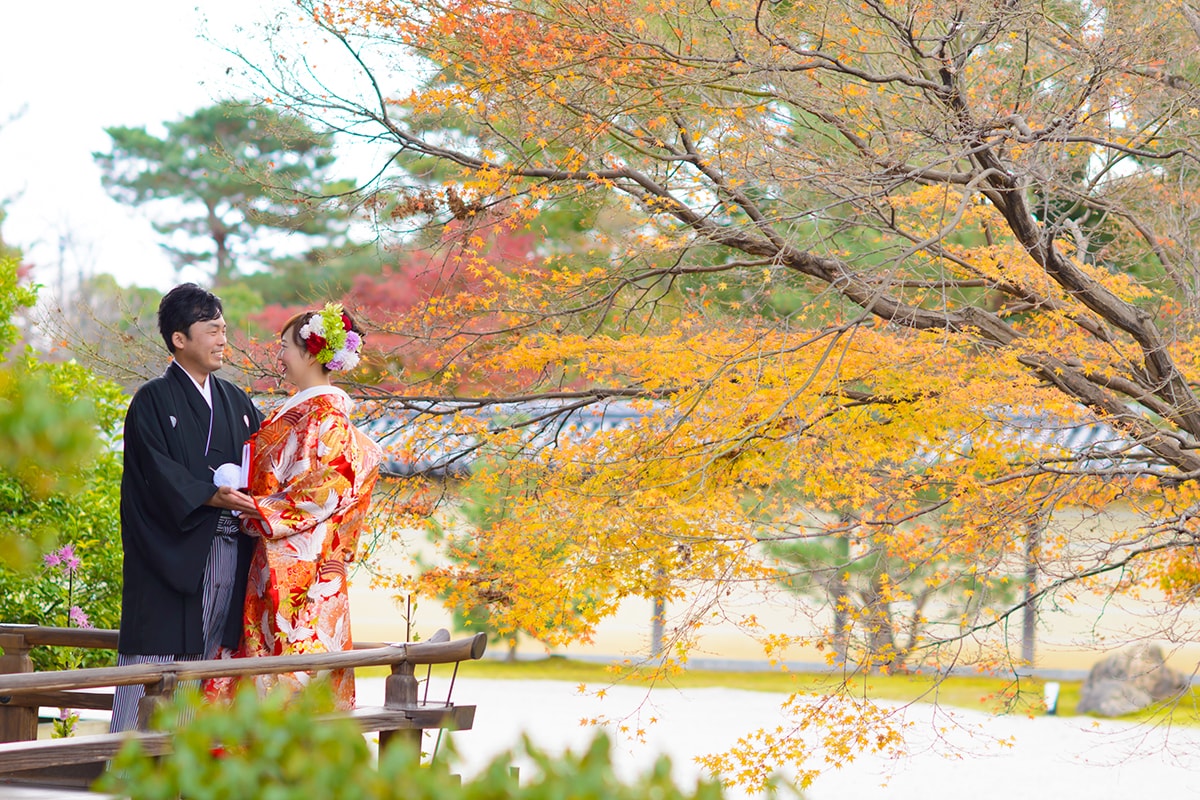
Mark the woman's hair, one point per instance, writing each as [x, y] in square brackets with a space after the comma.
[184, 306]
[294, 323]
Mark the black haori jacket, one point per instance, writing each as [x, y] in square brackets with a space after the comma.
[166, 530]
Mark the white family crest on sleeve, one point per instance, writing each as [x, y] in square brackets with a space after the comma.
[173, 420]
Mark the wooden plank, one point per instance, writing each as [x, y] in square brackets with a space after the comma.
[148, 674]
[62, 776]
[106, 638]
[42, 753]
[95, 638]
[378, 718]
[101, 638]
[195, 670]
[80, 679]
[16, 757]
[97, 701]
[437, 652]
[11, 790]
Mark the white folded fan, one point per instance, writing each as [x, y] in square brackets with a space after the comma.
[235, 476]
[230, 475]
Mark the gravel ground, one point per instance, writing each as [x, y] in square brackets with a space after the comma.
[963, 752]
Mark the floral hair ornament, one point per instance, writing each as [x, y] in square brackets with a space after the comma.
[328, 337]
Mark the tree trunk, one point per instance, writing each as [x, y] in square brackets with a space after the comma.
[881, 655]
[1033, 528]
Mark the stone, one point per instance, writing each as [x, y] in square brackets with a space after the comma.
[1129, 681]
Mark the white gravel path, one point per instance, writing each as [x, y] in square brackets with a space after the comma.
[952, 753]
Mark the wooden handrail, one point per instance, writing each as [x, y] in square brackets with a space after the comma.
[94, 638]
[149, 674]
[93, 701]
[403, 717]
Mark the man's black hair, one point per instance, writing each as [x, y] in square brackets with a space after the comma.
[184, 305]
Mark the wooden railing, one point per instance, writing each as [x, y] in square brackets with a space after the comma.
[19, 713]
[406, 712]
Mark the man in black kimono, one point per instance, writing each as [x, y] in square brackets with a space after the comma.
[185, 561]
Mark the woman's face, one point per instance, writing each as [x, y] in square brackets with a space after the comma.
[296, 363]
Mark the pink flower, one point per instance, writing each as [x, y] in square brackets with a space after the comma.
[63, 558]
[79, 618]
[69, 559]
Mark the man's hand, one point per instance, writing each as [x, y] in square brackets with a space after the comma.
[233, 500]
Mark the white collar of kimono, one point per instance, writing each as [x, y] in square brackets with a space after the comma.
[205, 390]
[308, 394]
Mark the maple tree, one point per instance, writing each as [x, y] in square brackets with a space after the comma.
[382, 299]
[876, 259]
[468, 545]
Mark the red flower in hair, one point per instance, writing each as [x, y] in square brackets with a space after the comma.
[315, 343]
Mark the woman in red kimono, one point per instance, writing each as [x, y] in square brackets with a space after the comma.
[311, 475]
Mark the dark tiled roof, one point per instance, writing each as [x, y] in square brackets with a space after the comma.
[1086, 444]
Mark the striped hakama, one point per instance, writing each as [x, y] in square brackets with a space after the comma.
[219, 575]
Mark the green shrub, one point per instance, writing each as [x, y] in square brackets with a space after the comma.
[83, 514]
[60, 472]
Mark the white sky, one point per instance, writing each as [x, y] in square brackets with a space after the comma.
[76, 67]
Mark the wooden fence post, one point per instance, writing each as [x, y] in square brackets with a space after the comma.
[400, 691]
[17, 723]
[156, 695]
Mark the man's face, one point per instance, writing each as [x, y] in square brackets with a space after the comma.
[202, 349]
